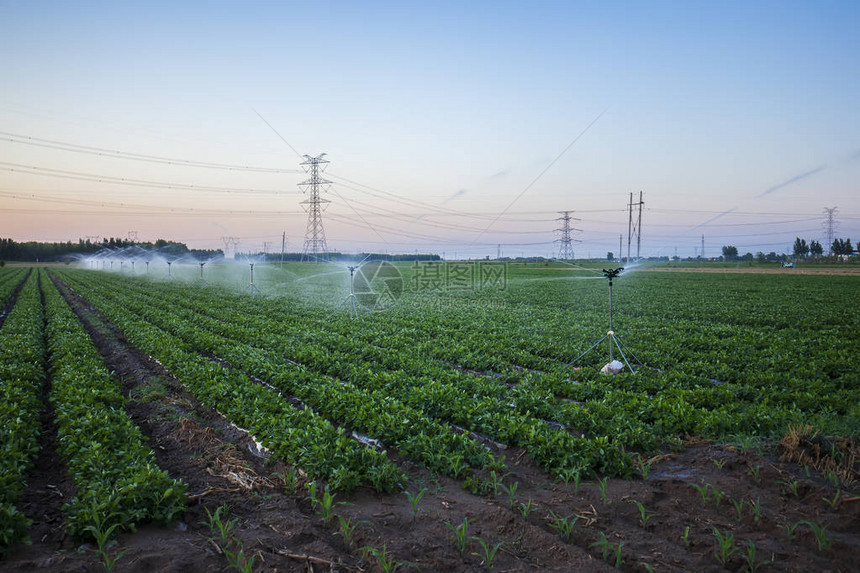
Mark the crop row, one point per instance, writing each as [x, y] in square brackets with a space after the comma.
[458, 400]
[9, 281]
[22, 375]
[373, 413]
[117, 480]
[296, 435]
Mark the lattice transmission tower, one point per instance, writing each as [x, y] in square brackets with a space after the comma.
[830, 227]
[634, 225]
[565, 241]
[315, 247]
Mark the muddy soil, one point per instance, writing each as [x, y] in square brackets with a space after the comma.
[751, 495]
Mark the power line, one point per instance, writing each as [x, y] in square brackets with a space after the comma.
[92, 177]
[103, 152]
[830, 226]
[565, 248]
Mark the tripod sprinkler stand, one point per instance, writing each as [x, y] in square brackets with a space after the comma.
[252, 288]
[350, 301]
[614, 340]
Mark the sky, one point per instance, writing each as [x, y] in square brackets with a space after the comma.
[460, 128]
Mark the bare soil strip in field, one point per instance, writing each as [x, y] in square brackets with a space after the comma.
[692, 498]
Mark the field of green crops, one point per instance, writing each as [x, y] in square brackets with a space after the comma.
[450, 361]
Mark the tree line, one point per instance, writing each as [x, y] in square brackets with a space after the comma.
[11, 250]
[800, 249]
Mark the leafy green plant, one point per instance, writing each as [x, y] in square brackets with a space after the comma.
[601, 485]
[717, 496]
[386, 561]
[644, 467]
[346, 529]
[755, 506]
[789, 529]
[495, 481]
[718, 463]
[750, 557]
[603, 544]
[326, 505]
[290, 477]
[414, 500]
[460, 534]
[644, 516]
[619, 561]
[739, 508]
[526, 508]
[754, 472]
[833, 503]
[102, 538]
[511, 492]
[725, 546]
[792, 486]
[563, 525]
[704, 490]
[488, 553]
[820, 532]
[685, 537]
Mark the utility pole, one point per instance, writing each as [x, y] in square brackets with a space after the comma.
[703, 246]
[283, 246]
[230, 246]
[620, 252]
[830, 226]
[634, 226]
[565, 248]
[315, 245]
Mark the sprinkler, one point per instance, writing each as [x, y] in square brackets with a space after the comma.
[252, 287]
[614, 340]
[202, 282]
[132, 267]
[169, 276]
[147, 267]
[350, 300]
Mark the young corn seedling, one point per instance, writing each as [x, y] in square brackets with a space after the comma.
[739, 508]
[619, 561]
[833, 503]
[754, 472]
[346, 529]
[788, 528]
[752, 564]
[526, 508]
[511, 490]
[824, 542]
[563, 525]
[717, 496]
[755, 506]
[386, 562]
[103, 542]
[488, 552]
[460, 534]
[704, 490]
[644, 516]
[291, 480]
[601, 485]
[644, 467]
[718, 463]
[685, 537]
[725, 546]
[792, 486]
[603, 544]
[414, 500]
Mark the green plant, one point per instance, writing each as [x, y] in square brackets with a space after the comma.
[792, 486]
[460, 534]
[752, 564]
[644, 516]
[755, 506]
[563, 525]
[832, 477]
[489, 552]
[739, 508]
[788, 528]
[718, 463]
[725, 545]
[495, 481]
[824, 542]
[312, 492]
[414, 500]
[717, 495]
[601, 485]
[347, 529]
[754, 472]
[704, 490]
[647, 567]
[619, 561]
[526, 508]
[512, 493]
[685, 537]
[290, 477]
[644, 467]
[326, 505]
[219, 526]
[833, 503]
[386, 562]
[102, 538]
[603, 544]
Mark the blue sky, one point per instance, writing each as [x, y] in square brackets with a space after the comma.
[448, 111]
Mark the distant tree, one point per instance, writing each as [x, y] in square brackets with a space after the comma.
[748, 257]
[801, 249]
[815, 249]
[730, 252]
[841, 247]
[610, 256]
[760, 257]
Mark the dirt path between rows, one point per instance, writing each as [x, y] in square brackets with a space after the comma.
[222, 467]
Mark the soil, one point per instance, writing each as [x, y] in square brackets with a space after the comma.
[285, 532]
